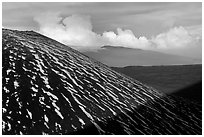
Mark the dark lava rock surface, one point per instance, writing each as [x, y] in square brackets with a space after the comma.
[49, 88]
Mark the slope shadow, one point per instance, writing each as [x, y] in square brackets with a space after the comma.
[166, 116]
[192, 92]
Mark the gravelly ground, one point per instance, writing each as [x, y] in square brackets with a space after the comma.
[49, 88]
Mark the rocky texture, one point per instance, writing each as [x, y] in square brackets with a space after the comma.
[49, 88]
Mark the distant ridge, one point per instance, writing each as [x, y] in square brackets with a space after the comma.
[118, 47]
[122, 56]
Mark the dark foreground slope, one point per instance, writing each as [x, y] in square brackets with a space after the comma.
[181, 80]
[49, 88]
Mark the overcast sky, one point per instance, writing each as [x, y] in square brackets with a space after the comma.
[173, 28]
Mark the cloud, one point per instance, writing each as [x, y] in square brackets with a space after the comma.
[177, 37]
[125, 38]
[77, 31]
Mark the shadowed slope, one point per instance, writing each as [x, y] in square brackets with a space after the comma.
[192, 92]
[167, 79]
[49, 88]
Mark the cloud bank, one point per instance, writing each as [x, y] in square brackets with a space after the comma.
[77, 31]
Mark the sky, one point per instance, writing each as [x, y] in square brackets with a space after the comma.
[173, 28]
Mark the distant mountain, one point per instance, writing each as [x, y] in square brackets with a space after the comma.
[122, 56]
[117, 47]
[49, 88]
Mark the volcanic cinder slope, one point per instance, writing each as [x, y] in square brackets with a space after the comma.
[49, 88]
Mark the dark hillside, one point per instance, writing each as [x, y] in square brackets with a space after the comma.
[49, 88]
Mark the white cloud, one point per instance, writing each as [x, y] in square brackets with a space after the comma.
[77, 30]
[195, 31]
[125, 38]
[177, 37]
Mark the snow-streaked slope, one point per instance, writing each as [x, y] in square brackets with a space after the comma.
[49, 88]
